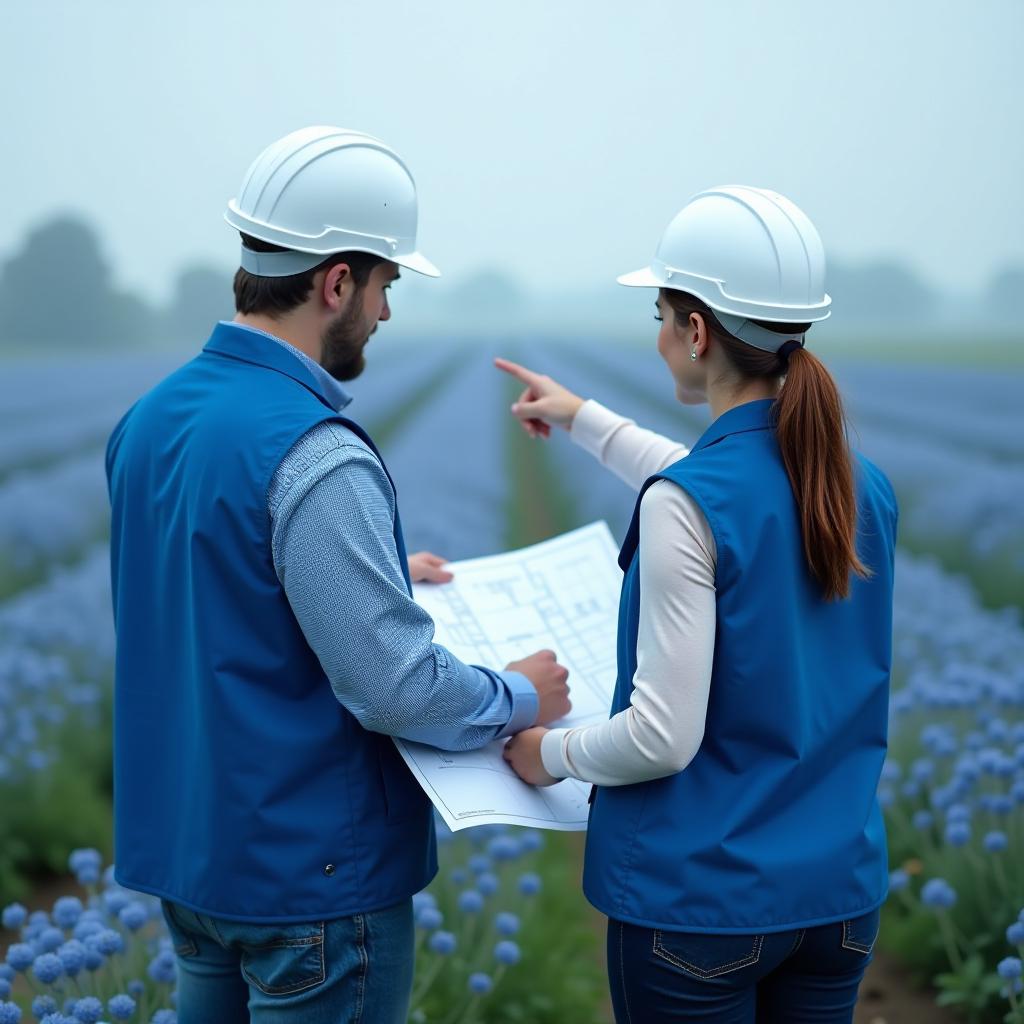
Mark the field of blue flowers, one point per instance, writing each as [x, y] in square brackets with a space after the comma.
[504, 932]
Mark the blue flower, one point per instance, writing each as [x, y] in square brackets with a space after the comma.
[458, 876]
[938, 894]
[85, 857]
[898, 880]
[115, 900]
[121, 1007]
[162, 968]
[72, 957]
[43, 1005]
[506, 952]
[50, 939]
[88, 875]
[10, 1013]
[531, 840]
[88, 1010]
[47, 968]
[109, 942]
[995, 841]
[13, 916]
[923, 819]
[94, 959]
[958, 812]
[479, 863]
[958, 833]
[487, 884]
[421, 900]
[1015, 934]
[506, 924]
[480, 983]
[164, 1017]
[135, 987]
[503, 848]
[529, 884]
[7, 972]
[133, 915]
[66, 911]
[430, 918]
[5, 989]
[442, 943]
[85, 928]
[470, 902]
[1009, 968]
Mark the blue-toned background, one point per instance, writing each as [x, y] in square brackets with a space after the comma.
[550, 144]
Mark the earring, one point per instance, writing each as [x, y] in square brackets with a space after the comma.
[693, 354]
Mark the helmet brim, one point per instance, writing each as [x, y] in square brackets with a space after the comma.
[417, 262]
[644, 278]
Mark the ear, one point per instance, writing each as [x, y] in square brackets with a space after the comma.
[697, 333]
[336, 285]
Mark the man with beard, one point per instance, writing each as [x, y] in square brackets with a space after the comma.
[267, 643]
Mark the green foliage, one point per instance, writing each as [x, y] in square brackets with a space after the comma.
[972, 989]
[49, 813]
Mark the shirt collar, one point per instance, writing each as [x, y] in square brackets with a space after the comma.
[738, 420]
[337, 397]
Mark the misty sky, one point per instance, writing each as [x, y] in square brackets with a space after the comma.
[552, 139]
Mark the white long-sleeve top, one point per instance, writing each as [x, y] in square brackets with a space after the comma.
[661, 730]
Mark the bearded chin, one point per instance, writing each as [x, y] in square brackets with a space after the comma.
[342, 366]
[342, 344]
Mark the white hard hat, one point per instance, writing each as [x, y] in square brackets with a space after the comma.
[749, 254]
[324, 190]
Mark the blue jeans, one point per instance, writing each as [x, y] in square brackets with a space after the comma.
[793, 977]
[350, 970]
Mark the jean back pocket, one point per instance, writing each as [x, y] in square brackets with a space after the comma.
[708, 956]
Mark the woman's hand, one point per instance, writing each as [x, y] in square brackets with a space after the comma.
[522, 752]
[427, 568]
[544, 403]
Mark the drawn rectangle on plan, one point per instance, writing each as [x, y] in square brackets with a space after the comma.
[561, 594]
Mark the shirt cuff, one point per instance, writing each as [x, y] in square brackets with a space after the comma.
[525, 703]
[552, 753]
[592, 425]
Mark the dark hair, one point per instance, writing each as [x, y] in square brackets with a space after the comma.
[811, 430]
[275, 296]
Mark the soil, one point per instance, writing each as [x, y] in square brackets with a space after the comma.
[888, 997]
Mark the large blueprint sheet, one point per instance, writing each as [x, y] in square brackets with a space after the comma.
[562, 594]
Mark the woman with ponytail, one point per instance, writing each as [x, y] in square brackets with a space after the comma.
[735, 840]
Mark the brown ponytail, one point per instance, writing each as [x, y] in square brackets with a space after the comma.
[811, 430]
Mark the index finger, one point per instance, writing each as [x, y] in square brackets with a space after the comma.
[517, 371]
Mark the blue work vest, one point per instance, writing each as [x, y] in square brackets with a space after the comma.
[774, 824]
[242, 787]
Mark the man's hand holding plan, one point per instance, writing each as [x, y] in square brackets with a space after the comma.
[562, 594]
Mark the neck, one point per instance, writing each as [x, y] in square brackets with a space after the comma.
[722, 398]
[291, 329]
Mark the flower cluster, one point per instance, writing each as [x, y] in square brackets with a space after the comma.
[106, 958]
[470, 918]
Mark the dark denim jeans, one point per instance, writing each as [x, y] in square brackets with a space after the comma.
[809, 974]
[350, 970]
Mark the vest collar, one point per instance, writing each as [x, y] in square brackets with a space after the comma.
[249, 346]
[738, 420]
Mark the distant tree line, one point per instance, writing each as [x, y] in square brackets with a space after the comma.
[57, 290]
